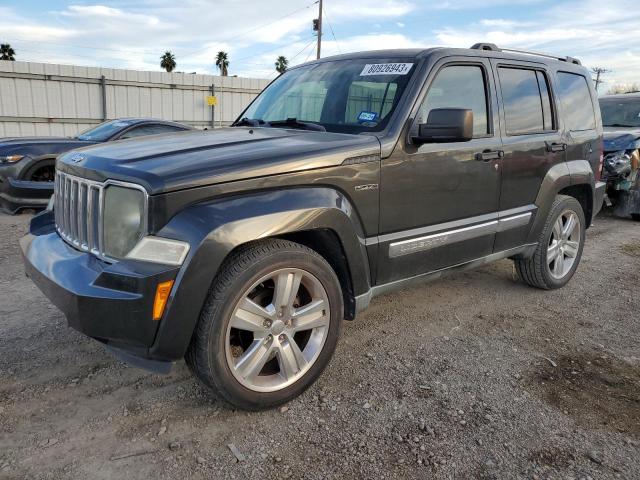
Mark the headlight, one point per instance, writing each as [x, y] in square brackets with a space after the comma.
[11, 158]
[124, 219]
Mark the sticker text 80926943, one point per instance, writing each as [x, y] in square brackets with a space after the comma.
[386, 69]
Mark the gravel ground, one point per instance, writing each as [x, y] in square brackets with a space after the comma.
[474, 376]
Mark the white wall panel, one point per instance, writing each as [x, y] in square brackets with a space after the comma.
[47, 99]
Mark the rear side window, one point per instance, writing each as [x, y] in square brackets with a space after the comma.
[526, 99]
[576, 100]
[459, 86]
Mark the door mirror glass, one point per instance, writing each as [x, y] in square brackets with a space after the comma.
[446, 125]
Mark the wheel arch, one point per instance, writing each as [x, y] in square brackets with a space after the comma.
[37, 163]
[574, 178]
[320, 218]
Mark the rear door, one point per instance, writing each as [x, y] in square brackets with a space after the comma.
[532, 143]
[438, 201]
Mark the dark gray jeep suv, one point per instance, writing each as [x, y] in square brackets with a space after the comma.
[242, 249]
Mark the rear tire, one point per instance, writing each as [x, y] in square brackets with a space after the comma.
[559, 248]
[636, 217]
[269, 325]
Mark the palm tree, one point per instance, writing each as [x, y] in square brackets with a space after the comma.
[168, 61]
[281, 64]
[222, 62]
[7, 53]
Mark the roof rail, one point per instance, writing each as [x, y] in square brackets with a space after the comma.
[494, 48]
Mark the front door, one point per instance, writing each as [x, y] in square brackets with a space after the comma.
[439, 201]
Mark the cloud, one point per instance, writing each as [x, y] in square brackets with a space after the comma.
[605, 35]
[135, 33]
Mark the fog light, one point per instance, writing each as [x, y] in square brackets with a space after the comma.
[160, 250]
[162, 295]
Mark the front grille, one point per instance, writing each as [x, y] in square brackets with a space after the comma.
[78, 211]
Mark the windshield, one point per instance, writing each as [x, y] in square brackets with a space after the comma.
[104, 131]
[620, 112]
[345, 96]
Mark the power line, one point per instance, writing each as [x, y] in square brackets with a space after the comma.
[303, 49]
[307, 59]
[331, 28]
[149, 52]
[258, 27]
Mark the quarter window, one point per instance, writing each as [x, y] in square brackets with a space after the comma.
[576, 100]
[458, 86]
[526, 100]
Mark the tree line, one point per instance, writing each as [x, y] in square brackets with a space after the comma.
[167, 60]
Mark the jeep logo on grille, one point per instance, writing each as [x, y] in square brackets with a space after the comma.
[77, 157]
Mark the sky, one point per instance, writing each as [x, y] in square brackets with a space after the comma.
[134, 33]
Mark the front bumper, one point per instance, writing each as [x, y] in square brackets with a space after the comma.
[18, 194]
[112, 303]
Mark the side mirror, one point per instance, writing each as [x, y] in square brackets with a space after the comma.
[446, 125]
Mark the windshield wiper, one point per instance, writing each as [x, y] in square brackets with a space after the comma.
[251, 122]
[295, 123]
[622, 125]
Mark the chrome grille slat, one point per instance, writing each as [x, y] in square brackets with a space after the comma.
[77, 218]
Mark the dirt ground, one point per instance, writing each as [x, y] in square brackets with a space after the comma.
[473, 376]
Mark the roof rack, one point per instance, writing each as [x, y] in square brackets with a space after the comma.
[492, 47]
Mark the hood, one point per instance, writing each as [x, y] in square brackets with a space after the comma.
[38, 146]
[618, 138]
[191, 159]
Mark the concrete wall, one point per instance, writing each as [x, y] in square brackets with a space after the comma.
[49, 99]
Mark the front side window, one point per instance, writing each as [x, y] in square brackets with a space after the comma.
[104, 131]
[576, 100]
[345, 96]
[145, 130]
[526, 100]
[458, 86]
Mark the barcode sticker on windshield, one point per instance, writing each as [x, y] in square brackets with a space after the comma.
[386, 69]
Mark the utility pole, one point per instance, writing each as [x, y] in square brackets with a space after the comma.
[319, 29]
[599, 71]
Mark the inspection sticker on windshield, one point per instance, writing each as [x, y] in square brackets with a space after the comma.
[367, 116]
[386, 69]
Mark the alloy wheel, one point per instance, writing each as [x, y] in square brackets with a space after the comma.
[564, 244]
[277, 330]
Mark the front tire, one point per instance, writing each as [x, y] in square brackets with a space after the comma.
[269, 325]
[559, 248]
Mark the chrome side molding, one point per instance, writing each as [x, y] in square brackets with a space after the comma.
[428, 242]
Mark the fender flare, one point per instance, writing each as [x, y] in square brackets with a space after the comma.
[559, 177]
[215, 228]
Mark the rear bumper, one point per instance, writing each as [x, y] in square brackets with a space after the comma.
[598, 200]
[111, 303]
[19, 194]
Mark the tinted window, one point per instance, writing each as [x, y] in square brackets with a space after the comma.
[576, 100]
[460, 86]
[527, 106]
[104, 131]
[149, 130]
[619, 112]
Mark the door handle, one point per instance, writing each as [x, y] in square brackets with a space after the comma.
[556, 147]
[488, 155]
